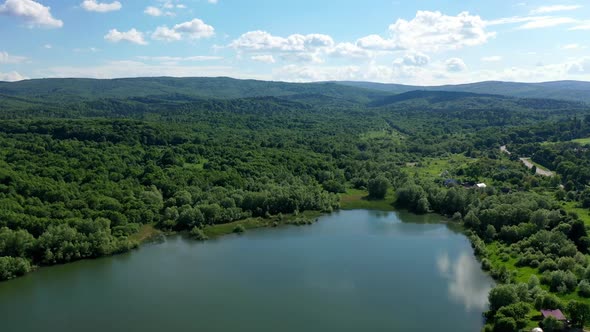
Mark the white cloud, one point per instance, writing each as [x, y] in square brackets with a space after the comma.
[195, 29]
[455, 65]
[414, 59]
[434, 31]
[32, 12]
[166, 34]
[100, 7]
[376, 42]
[264, 41]
[212, 1]
[297, 47]
[263, 58]
[132, 36]
[178, 59]
[579, 66]
[12, 77]
[554, 8]
[493, 58]
[348, 50]
[302, 57]
[48, 46]
[153, 11]
[547, 22]
[11, 59]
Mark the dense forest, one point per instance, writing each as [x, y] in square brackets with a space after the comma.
[87, 165]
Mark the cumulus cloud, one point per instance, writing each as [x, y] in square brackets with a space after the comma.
[263, 58]
[414, 59]
[32, 12]
[166, 34]
[12, 77]
[434, 31]
[195, 29]
[11, 59]
[100, 7]
[264, 41]
[455, 65]
[579, 66]
[297, 47]
[554, 8]
[132, 36]
[376, 42]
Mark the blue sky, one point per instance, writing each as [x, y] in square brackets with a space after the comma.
[425, 42]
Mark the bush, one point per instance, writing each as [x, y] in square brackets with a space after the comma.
[551, 324]
[486, 265]
[12, 267]
[198, 234]
[239, 229]
[505, 324]
[584, 288]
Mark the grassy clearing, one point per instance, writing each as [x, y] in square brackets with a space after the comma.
[582, 141]
[584, 214]
[355, 199]
[145, 233]
[213, 231]
[435, 167]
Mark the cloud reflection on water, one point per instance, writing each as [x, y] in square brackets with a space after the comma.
[467, 284]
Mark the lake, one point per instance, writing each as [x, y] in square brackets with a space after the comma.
[352, 271]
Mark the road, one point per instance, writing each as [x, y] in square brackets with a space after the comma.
[528, 163]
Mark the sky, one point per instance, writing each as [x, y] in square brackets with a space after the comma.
[421, 42]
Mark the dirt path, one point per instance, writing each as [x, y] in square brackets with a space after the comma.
[505, 150]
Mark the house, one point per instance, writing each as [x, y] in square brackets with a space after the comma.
[481, 185]
[557, 314]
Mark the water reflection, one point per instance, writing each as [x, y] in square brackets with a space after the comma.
[466, 283]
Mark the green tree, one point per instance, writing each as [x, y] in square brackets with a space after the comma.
[502, 295]
[378, 187]
[579, 313]
[551, 324]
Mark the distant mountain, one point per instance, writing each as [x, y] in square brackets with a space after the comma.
[72, 89]
[565, 90]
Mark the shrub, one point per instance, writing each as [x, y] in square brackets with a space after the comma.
[584, 288]
[239, 229]
[198, 234]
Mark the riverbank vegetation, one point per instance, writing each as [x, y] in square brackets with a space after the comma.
[96, 173]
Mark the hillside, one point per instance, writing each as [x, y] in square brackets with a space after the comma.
[199, 87]
[566, 90]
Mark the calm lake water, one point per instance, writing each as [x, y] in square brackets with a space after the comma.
[353, 271]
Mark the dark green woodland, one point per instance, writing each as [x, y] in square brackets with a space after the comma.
[85, 165]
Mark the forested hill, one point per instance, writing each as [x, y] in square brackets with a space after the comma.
[565, 90]
[197, 87]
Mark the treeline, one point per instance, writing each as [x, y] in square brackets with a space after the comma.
[531, 228]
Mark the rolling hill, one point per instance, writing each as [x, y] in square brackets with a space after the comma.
[566, 90]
